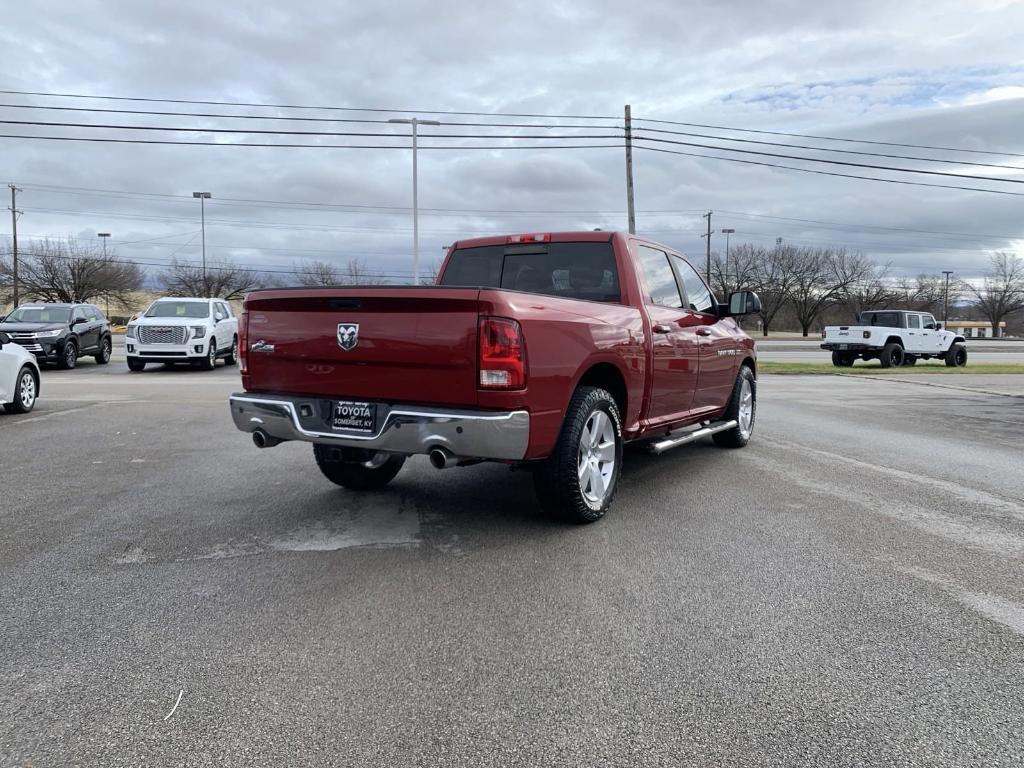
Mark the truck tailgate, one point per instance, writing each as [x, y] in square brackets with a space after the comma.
[412, 345]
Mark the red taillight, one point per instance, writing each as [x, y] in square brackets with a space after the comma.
[502, 354]
[545, 238]
[243, 342]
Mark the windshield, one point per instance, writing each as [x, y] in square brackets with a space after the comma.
[179, 309]
[882, 319]
[39, 315]
[572, 270]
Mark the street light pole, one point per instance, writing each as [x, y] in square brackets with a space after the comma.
[728, 231]
[414, 122]
[103, 238]
[945, 301]
[203, 197]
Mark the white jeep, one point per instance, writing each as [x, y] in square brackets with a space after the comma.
[185, 330]
[894, 338]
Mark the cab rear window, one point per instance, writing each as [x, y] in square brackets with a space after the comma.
[572, 270]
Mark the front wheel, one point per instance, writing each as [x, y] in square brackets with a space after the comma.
[210, 361]
[25, 390]
[957, 356]
[134, 364]
[742, 408]
[69, 357]
[357, 472]
[577, 482]
[104, 354]
[233, 354]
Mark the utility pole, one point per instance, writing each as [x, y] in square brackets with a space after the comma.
[629, 171]
[14, 239]
[728, 231]
[708, 244]
[203, 197]
[103, 236]
[945, 301]
[414, 122]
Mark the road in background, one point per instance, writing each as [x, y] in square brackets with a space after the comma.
[810, 351]
[845, 591]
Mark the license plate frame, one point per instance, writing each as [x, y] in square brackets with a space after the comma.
[354, 416]
[844, 346]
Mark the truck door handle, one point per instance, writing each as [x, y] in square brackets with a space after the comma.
[662, 328]
[703, 331]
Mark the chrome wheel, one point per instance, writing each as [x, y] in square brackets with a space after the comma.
[27, 390]
[596, 458]
[746, 409]
[70, 355]
[105, 351]
[213, 355]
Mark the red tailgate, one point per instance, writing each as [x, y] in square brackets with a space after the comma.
[413, 345]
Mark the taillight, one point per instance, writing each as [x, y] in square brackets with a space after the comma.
[502, 354]
[538, 238]
[243, 341]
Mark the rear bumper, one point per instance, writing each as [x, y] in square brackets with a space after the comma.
[467, 433]
[837, 346]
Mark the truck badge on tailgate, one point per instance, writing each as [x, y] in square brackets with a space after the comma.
[348, 336]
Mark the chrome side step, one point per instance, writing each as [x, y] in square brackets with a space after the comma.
[668, 443]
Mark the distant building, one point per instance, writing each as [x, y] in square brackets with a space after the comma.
[977, 329]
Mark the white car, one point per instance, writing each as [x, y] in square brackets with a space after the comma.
[19, 377]
[183, 330]
[894, 338]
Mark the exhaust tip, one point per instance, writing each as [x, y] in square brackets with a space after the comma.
[441, 458]
[262, 440]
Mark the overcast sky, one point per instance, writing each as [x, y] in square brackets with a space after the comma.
[946, 74]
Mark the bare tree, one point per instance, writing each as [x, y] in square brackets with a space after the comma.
[820, 275]
[774, 273]
[1001, 293]
[69, 271]
[739, 274]
[321, 274]
[224, 279]
[925, 294]
[866, 284]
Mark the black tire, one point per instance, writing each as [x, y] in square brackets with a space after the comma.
[891, 356]
[209, 362]
[26, 390]
[842, 359]
[68, 356]
[352, 470]
[232, 356]
[134, 364]
[106, 347]
[739, 436]
[557, 479]
[956, 357]
[909, 360]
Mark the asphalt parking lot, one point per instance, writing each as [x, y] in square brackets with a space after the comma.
[847, 590]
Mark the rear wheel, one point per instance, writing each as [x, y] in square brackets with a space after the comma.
[957, 356]
[25, 390]
[69, 356]
[742, 409]
[842, 359]
[577, 482]
[357, 470]
[891, 356]
[134, 364]
[103, 357]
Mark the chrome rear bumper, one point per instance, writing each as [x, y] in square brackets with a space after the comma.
[470, 434]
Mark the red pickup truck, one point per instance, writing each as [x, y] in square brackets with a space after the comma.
[548, 351]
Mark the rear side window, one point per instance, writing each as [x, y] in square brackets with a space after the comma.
[659, 280]
[571, 270]
[913, 321]
[881, 319]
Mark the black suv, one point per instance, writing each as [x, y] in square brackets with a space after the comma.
[60, 333]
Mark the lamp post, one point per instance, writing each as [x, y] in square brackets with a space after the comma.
[103, 238]
[414, 122]
[727, 231]
[945, 300]
[203, 197]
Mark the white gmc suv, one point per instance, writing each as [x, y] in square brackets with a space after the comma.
[183, 330]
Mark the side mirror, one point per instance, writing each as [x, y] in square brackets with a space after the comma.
[78, 320]
[938, 326]
[4, 339]
[743, 303]
[218, 317]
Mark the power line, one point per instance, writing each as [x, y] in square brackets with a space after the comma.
[832, 173]
[845, 163]
[830, 138]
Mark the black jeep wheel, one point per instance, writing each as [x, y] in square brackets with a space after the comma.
[577, 482]
[956, 357]
[842, 359]
[891, 356]
[357, 470]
